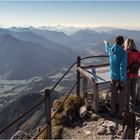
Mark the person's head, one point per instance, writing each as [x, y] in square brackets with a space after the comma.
[119, 40]
[129, 44]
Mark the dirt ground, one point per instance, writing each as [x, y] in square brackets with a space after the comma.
[101, 126]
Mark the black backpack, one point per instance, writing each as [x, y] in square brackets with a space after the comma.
[134, 66]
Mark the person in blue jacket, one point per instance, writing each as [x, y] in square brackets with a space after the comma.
[118, 73]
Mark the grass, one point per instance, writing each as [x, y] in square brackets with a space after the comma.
[72, 104]
[70, 107]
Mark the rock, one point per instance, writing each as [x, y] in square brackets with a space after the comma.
[78, 131]
[95, 117]
[89, 102]
[137, 137]
[56, 104]
[85, 123]
[105, 97]
[107, 128]
[20, 135]
[83, 111]
[87, 132]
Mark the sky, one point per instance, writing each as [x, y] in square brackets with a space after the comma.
[125, 14]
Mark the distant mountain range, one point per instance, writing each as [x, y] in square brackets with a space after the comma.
[23, 60]
[29, 52]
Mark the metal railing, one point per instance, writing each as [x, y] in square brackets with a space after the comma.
[47, 98]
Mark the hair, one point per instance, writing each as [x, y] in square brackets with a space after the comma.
[119, 40]
[129, 44]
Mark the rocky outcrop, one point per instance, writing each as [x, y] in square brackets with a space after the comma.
[100, 129]
[107, 128]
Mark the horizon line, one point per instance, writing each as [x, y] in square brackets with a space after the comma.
[59, 26]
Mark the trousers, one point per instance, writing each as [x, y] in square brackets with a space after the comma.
[118, 99]
[132, 91]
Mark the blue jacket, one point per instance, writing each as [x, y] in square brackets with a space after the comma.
[118, 62]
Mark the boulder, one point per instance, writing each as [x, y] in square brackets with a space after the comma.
[95, 117]
[83, 111]
[87, 132]
[137, 137]
[107, 128]
[56, 104]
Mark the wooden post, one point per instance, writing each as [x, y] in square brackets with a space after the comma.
[96, 97]
[128, 119]
[84, 87]
[138, 96]
[48, 113]
[78, 77]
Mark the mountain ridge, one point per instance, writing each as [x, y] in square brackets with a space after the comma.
[27, 59]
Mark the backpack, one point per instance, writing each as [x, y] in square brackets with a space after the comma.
[134, 66]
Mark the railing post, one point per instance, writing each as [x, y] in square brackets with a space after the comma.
[84, 87]
[96, 97]
[78, 77]
[48, 113]
[128, 121]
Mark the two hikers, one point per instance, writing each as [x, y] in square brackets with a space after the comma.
[124, 65]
